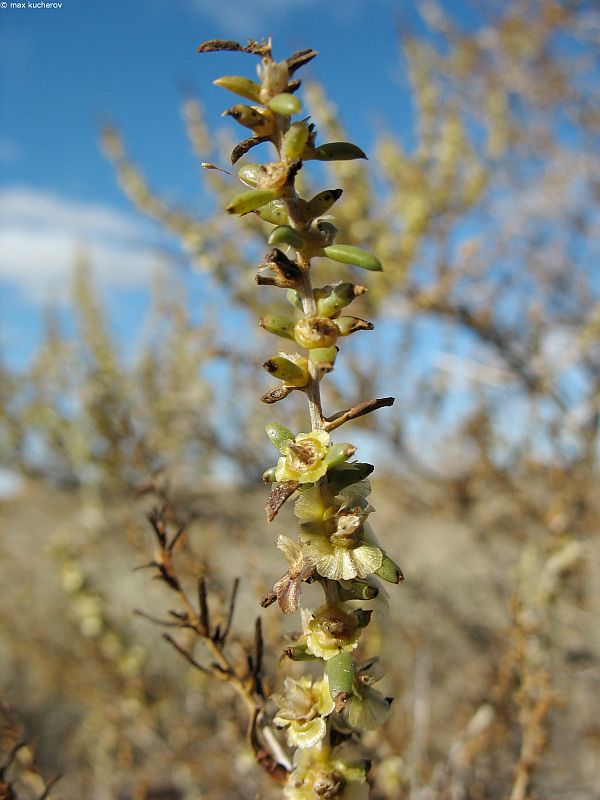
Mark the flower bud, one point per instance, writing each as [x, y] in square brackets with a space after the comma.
[348, 325]
[279, 434]
[250, 200]
[389, 571]
[312, 332]
[337, 151]
[277, 324]
[348, 254]
[274, 212]
[284, 103]
[321, 203]
[332, 299]
[284, 234]
[340, 674]
[294, 141]
[292, 372]
[240, 85]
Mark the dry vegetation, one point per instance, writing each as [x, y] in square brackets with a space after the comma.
[488, 229]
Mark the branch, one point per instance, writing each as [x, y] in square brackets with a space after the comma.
[333, 422]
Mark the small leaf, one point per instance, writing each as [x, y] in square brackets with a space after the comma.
[348, 325]
[389, 571]
[349, 254]
[332, 299]
[279, 434]
[249, 174]
[294, 141]
[346, 474]
[339, 453]
[299, 653]
[290, 372]
[357, 590]
[323, 357]
[340, 674]
[240, 85]
[274, 212]
[285, 104]
[283, 234]
[280, 326]
[321, 203]
[337, 151]
[250, 200]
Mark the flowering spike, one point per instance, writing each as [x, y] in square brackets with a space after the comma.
[335, 546]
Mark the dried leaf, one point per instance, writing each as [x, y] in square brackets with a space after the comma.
[242, 148]
[277, 497]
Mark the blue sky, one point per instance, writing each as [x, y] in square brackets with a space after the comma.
[63, 70]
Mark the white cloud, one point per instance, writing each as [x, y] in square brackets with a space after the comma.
[41, 234]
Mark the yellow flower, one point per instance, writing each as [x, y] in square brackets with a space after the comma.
[321, 772]
[331, 629]
[343, 554]
[302, 710]
[304, 460]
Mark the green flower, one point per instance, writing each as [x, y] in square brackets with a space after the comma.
[321, 772]
[343, 554]
[304, 460]
[302, 710]
[331, 629]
